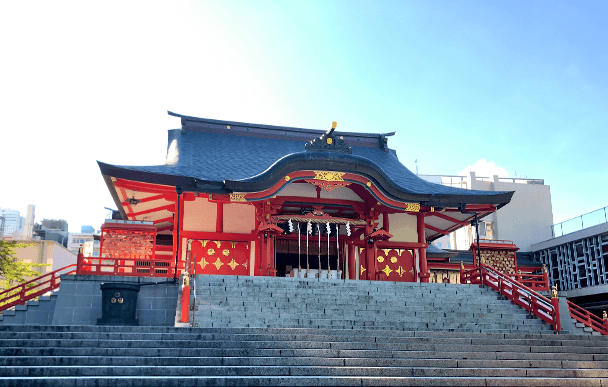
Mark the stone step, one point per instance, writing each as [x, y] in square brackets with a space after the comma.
[296, 381]
[451, 361]
[387, 371]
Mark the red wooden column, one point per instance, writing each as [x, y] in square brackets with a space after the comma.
[424, 273]
[370, 248]
[352, 266]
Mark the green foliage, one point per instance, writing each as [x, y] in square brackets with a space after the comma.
[14, 271]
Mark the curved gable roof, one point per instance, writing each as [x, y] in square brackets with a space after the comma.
[225, 156]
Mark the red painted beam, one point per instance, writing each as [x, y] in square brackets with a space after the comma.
[164, 228]
[168, 207]
[444, 216]
[144, 187]
[444, 232]
[150, 199]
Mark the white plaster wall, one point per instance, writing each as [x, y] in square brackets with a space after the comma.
[403, 227]
[200, 215]
[239, 218]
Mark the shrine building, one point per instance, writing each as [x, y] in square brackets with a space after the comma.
[258, 200]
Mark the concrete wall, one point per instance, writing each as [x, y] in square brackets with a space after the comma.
[527, 219]
[46, 252]
[79, 300]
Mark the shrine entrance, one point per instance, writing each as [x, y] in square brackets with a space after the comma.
[390, 265]
[292, 257]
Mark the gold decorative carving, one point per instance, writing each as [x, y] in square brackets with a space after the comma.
[329, 176]
[412, 207]
[245, 264]
[412, 271]
[380, 259]
[121, 300]
[233, 264]
[287, 178]
[400, 271]
[393, 259]
[544, 268]
[218, 263]
[369, 183]
[113, 300]
[211, 251]
[226, 252]
[604, 315]
[117, 294]
[330, 140]
[327, 185]
[203, 263]
[387, 270]
[237, 197]
[362, 269]
[554, 291]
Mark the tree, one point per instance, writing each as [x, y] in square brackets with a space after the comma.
[12, 269]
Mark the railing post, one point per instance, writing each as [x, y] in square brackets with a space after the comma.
[545, 278]
[462, 281]
[186, 299]
[79, 263]
[557, 326]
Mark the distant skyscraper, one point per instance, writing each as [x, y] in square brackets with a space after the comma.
[12, 220]
[87, 230]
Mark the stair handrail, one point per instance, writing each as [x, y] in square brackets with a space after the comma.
[543, 308]
[23, 292]
[589, 319]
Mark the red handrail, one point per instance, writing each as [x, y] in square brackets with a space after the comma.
[19, 294]
[589, 319]
[156, 266]
[545, 309]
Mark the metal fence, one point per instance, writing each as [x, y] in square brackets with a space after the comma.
[580, 222]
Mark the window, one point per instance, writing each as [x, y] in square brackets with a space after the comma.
[449, 245]
[489, 229]
[439, 244]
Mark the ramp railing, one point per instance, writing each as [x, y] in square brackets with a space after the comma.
[589, 319]
[20, 294]
[538, 305]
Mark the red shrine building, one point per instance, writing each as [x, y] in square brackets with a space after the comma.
[258, 200]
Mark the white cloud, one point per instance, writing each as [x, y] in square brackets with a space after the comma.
[484, 168]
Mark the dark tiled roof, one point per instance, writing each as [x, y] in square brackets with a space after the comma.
[218, 156]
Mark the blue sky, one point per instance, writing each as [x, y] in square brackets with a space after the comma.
[522, 84]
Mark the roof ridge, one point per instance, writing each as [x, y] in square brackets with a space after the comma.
[185, 118]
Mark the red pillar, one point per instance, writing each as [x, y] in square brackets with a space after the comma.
[352, 266]
[424, 274]
[370, 249]
[185, 304]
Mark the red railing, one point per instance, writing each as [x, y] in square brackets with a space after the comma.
[159, 266]
[589, 319]
[19, 294]
[545, 309]
[537, 282]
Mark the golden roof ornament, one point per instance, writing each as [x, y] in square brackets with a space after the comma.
[329, 142]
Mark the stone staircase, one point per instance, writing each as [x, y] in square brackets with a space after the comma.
[265, 302]
[34, 312]
[167, 356]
